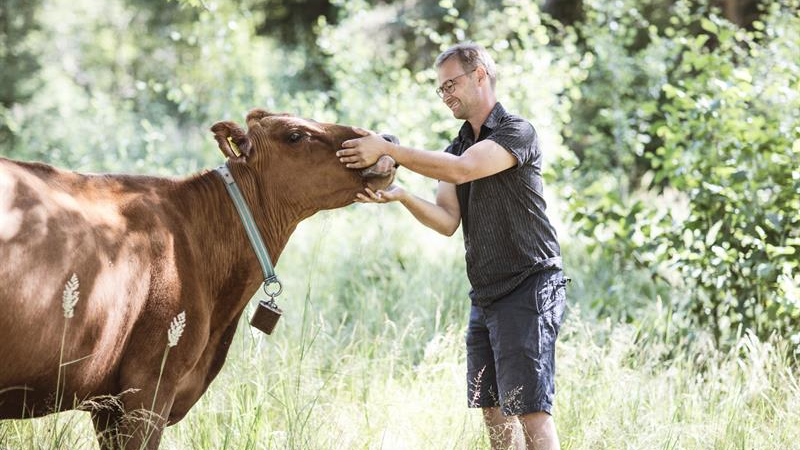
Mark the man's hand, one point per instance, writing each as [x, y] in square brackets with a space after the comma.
[363, 152]
[391, 194]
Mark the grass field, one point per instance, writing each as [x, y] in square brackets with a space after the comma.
[370, 355]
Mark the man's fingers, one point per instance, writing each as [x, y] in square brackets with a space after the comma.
[362, 131]
[377, 196]
[350, 143]
[348, 157]
[361, 198]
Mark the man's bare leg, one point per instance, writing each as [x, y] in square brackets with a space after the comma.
[502, 430]
[540, 431]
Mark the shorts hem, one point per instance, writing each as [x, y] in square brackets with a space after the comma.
[527, 409]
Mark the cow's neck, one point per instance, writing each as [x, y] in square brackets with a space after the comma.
[227, 261]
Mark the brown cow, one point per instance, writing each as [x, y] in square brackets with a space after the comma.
[145, 249]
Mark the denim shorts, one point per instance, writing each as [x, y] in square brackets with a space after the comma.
[511, 359]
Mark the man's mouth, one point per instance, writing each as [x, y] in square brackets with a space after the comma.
[452, 104]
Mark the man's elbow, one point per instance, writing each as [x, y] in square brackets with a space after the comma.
[448, 230]
[460, 175]
[460, 179]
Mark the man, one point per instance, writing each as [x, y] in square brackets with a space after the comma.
[490, 180]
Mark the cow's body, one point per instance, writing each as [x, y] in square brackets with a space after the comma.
[144, 249]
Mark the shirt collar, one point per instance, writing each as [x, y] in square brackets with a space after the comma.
[497, 113]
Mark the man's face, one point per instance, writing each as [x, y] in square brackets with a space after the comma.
[464, 95]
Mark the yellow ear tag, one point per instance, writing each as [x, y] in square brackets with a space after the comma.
[234, 147]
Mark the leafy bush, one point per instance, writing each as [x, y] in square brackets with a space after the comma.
[673, 134]
[716, 207]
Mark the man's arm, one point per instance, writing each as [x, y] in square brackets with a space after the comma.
[444, 216]
[481, 160]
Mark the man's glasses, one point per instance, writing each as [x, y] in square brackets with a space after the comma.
[449, 86]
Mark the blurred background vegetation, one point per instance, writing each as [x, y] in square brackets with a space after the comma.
[672, 128]
[672, 153]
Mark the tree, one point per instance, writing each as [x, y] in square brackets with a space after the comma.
[18, 60]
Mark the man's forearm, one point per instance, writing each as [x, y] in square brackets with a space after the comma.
[431, 215]
[439, 165]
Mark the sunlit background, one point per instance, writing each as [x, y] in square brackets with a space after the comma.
[671, 136]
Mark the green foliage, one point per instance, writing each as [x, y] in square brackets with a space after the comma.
[18, 58]
[391, 374]
[721, 218]
[672, 133]
[732, 145]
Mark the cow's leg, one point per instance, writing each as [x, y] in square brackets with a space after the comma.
[106, 426]
[141, 427]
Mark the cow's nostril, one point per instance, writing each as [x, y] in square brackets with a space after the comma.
[391, 138]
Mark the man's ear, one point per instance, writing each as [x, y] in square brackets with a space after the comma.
[232, 140]
[481, 73]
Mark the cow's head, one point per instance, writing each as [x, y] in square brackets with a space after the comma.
[298, 156]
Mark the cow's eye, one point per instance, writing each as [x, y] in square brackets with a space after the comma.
[294, 137]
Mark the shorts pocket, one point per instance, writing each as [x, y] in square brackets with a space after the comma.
[552, 291]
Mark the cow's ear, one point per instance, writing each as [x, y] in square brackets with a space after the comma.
[232, 140]
[255, 115]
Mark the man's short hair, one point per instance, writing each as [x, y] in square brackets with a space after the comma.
[470, 56]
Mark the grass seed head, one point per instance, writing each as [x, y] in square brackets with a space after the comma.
[70, 297]
[176, 329]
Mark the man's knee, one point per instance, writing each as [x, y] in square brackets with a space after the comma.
[502, 429]
[536, 419]
[540, 432]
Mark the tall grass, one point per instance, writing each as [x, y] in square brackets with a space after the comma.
[370, 355]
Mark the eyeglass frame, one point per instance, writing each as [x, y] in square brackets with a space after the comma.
[451, 85]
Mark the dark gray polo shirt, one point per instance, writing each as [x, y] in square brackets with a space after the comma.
[507, 235]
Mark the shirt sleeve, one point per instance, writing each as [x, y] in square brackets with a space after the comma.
[518, 137]
[452, 148]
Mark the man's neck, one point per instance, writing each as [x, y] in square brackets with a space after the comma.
[477, 120]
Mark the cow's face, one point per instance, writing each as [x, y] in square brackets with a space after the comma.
[299, 156]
